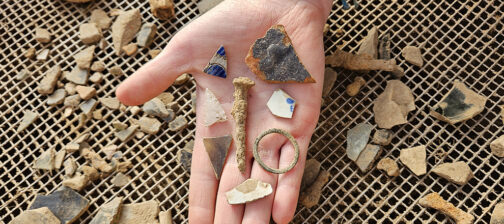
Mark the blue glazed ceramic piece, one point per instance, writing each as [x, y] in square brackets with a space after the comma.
[217, 66]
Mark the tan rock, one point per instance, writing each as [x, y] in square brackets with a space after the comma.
[311, 195]
[72, 101]
[90, 172]
[165, 217]
[388, 165]
[414, 159]
[135, 110]
[182, 79]
[413, 55]
[48, 83]
[145, 213]
[58, 159]
[110, 102]
[40, 215]
[124, 166]
[77, 182]
[28, 118]
[115, 12]
[119, 126]
[248, 191]
[72, 147]
[120, 180]
[130, 49]
[310, 174]
[96, 78]
[42, 35]
[45, 161]
[127, 133]
[100, 18]
[369, 45]
[125, 28]
[85, 92]
[98, 114]
[57, 97]
[109, 212]
[70, 88]
[98, 66]
[68, 112]
[383, 137]
[360, 62]
[78, 76]
[435, 201]
[457, 172]
[497, 214]
[99, 163]
[70, 167]
[354, 88]
[116, 70]
[497, 146]
[162, 9]
[43, 55]
[89, 33]
[166, 98]
[84, 57]
[154, 53]
[178, 123]
[139, 135]
[149, 125]
[155, 107]
[30, 53]
[391, 108]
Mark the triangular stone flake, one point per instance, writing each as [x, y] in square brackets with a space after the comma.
[214, 111]
[217, 66]
[217, 149]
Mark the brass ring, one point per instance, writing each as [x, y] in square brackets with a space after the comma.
[288, 136]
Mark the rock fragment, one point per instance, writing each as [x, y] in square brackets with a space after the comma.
[384, 47]
[369, 45]
[435, 201]
[98, 66]
[135, 110]
[48, 83]
[205, 5]
[414, 159]
[281, 104]
[149, 125]
[217, 66]
[96, 78]
[45, 161]
[155, 107]
[78, 76]
[123, 166]
[383, 137]
[119, 126]
[99, 163]
[248, 191]
[165, 217]
[457, 172]
[130, 49]
[116, 70]
[162, 9]
[100, 18]
[88, 107]
[70, 167]
[58, 159]
[357, 139]
[145, 213]
[42, 35]
[57, 97]
[330, 77]
[391, 108]
[30, 53]
[146, 34]
[72, 101]
[28, 118]
[109, 212]
[84, 57]
[184, 157]
[85, 92]
[358, 62]
[367, 157]
[120, 180]
[217, 149]
[214, 111]
[127, 133]
[40, 215]
[166, 98]
[310, 174]
[460, 104]
[311, 195]
[77, 182]
[23, 74]
[388, 165]
[413, 55]
[497, 146]
[70, 88]
[66, 204]
[90, 172]
[273, 59]
[354, 88]
[43, 55]
[178, 123]
[72, 147]
[182, 79]
[115, 12]
[125, 28]
[109, 151]
[498, 214]
[110, 102]
[89, 33]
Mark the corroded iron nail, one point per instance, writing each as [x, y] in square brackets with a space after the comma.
[239, 113]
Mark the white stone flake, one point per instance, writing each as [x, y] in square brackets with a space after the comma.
[214, 111]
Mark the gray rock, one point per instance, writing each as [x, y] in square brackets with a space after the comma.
[497, 146]
[45, 161]
[84, 57]
[78, 76]
[146, 34]
[357, 139]
[310, 174]
[457, 172]
[48, 83]
[89, 33]
[57, 97]
[109, 212]
[88, 106]
[40, 216]
[120, 180]
[384, 47]
[66, 204]
[125, 28]
[383, 137]
[217, 149]
[110, 102]
[414, 159]
[99, 163]
[90, 172]
[248, 191]
[369, 45]
[391, 108]
[23, 74]
[100, 18]
[109, 151]
[77, 182]
[178, 123]
[155, 107]
[498, 214]
[149, 125]
[413, 55]
[145, 213]
[28, 118]
[42, 35]
[367, 157]
[127, 133]
[184, 157]
[330, 77]
[119, 126]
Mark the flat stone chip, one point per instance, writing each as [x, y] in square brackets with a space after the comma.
[498, 214]
[414, 159]
[391, 108]
[45, 161]
[248, 191]
[311, 195]
[72, 101]
[155, 107]
[88, 107]
[58, 159]
[367, 157]
[388, 165]
[89, 33]
[66, 204]
[146, 34]
[127, 133]
[116, 70]
[85, 92]
[120, 180]
[109, 212]
[78, 76]
[109, 151]
[96, 78]
[149, 125]
[217, 66]
[178, 123]
[330, 77]
[28, 118]
[357, 139]
[77, 182]
[40, 215]
[413, 55]
[281, 104]
[23, 74]
[98, 66]
[110, 102]
[310, 173]
[101, 19]
[48, 83]
[145, 213]
[460, 104]
[125, 28]
[383, 137]
[457, 172]
[273, 59]
[435, 201]
[213, 109]
[30, 53]
[217, 149]
[57, 97]
[369, 45]
[130, 49]
[497, 146]
[42, 35]
[84, 57]
[43, 55]
[154, 53]
[165, 217]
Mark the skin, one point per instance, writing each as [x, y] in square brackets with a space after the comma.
[236, 24]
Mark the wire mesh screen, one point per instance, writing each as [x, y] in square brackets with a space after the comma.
[459, 40]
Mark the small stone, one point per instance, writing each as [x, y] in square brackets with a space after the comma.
[119, 126]
[40, 215]
[460, 104]
[311, 195]
[86, 92]
[110, 102]
[85, 149]
[116, 70]
[100, 18]
[23, 74]
[70, 88]
[126, 134]
[498, 214]
[90, 172]
[146, 34]
[457, 172]
[83, 118]
[135, 110]
[48, 83]
[123, 166]
[217, 66]
[99, 163]
[497, 146]
[139, 135]
[45, 161]
[184, 157]
[149, 125]
[72, 101]
[28, 118]
[173, 106]
[120, 180]
[43, 55]
[130, 49]
[30, 53]
[56, 98]
[369, 45]
[98, 114]
[66, 204]
[165, 217]
[205, 5]
[125, 28]
[391, 108]
[154, 53]
[42, 35]
[58, 159]
[102, 44]
[96, 78]
[248, 191]
[78, 76]
[383, 137]
[310, 173]
[166, 98]
[109, 212]
[72, 147]
[115, 12]
[435, 201]
[77, 182]
[214, 111]
[70, 167]
[413, 55]
[357, 139]
[89, 33]
[330, 77]
[217, 149]
[155, 107]
[84, 57]
[354, 88]
[367, 157]
[414, 159]
[178, 123]
[98, 66]
[109, 151]
[281, 104]
[182, 79]
[88, 107]
[81, 138]
[390, 166]
[145, 213]
[122, 108]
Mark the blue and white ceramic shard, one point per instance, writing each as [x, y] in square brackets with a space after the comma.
[217, 66]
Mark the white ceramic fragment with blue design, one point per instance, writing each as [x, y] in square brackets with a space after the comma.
[217, 66]
[281, 104]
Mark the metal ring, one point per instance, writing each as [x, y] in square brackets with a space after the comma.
[288, 136]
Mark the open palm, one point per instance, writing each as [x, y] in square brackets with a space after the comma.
[236, 25]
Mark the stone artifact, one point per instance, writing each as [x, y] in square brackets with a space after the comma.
[87, 107]
[239, 113]
[214, 111]
[99, 163]
[391, 108]
[110, 102]
[435, 201]
[367, 157]
[89, 33]
[100, 18]
[72, 101]
[23, 74]
[90, 172]
[125, 28]
[154, 53]
[162, 9]
[70, 167]
[281, 104]
[130, 49]
[311, 195]
[206, 5]
[109, 151]
[42, 35]
[330, 77]
[460, 104]
[310, 173]
[217, 66]
[498, 214]
[497, 146]
[149, 125]
[30, 53]
[384, 47]
[78, 76]
[383, 137]
[178, 123]
[48, 83]
[145, 213]
[248, 191]
[217, 150]
[120, 180]
[155, 107]
[85, 92]
[77, 182]
[109, 212]
[56, 98]
[84, 57]
[388, 165]
[127, 133]
[414, 159]
[40, 215]
[98, 66]
[273, 59]
[358, 62]
[354, 88]
[165, 217]
[369, 45]
[291, 139]
[182, 79]
[184, 157]
[146, 34]
[413, 55]
[457, 172]
[70, 88]
[357, 139]
[58, 159]
[28, 118]
[116, 70]
[45, 161]
[66, 204]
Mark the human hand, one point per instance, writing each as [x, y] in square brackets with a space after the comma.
[236, 24]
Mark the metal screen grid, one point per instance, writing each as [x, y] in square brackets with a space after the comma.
[459, 40]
